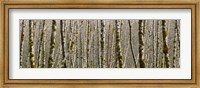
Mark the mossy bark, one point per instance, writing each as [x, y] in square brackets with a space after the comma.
[98, 45]
[77, 45]
[118, 45]
[80, 48]
[176, 41]
[102, 44]
[44, 44]
[22, 44]
[31, 43]
[63, 43]
[52, 45]
[165, 43]
[41, 59]
[88, 43]
[157, 45]
[141, 43]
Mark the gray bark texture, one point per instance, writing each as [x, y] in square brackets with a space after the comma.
[100, 43]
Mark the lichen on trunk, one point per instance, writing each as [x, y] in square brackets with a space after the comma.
[63, 44]
[165, 43]
[31, 43]
[52, 45]
[118, 45]
[22, 44]
[141, 43]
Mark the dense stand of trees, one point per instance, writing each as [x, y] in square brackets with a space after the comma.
[99, 43]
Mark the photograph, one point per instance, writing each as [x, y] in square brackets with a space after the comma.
[99, 43]
[103, 44]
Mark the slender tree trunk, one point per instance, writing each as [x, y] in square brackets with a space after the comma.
[88, 43]
[175, 48]
[22, 44]
[84, 61]
[81, 47]
[118, 45]
[71, 44]
[40, 62]
[113, 60]
[165, 43]
[102, 42]
[44, 44]
[93, 46]
[108, 46]
[157, 45]
[75, 34]
[178, 43]
[111, 46]
[52, 45]
[154, 45]
[130, 41]
[31, 44]
[141, 43]
[62, 34]
[98, 45]
[78, 46]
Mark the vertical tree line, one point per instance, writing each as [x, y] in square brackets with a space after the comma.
[99, 43]
[31, 43]
[51, 61]
[141, 43]
[165, 43]
[22, 42]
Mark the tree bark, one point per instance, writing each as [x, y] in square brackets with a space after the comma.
[40, 62]
[22, 44]
[154, 44]
[31, 43]
[165, 43]
[62, 34]
[130, 41]
[118, 45]
[141, 43]
[88, 43]
[52, 44]
[176, 46]
[102, 42]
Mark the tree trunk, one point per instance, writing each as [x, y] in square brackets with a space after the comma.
[102, 42]
[62, 34]
[52, 45]
[141, 43]
[31, 43]
[118, 45]
[44, 44]
[40, 62]
[154, 44]
[81, 48]
[88, 43]
[130, 41]
[165, 43]
[22, 44]
[176, 42]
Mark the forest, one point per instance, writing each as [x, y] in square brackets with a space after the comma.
[99, 43]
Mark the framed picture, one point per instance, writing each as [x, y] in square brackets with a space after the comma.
[99, 44]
